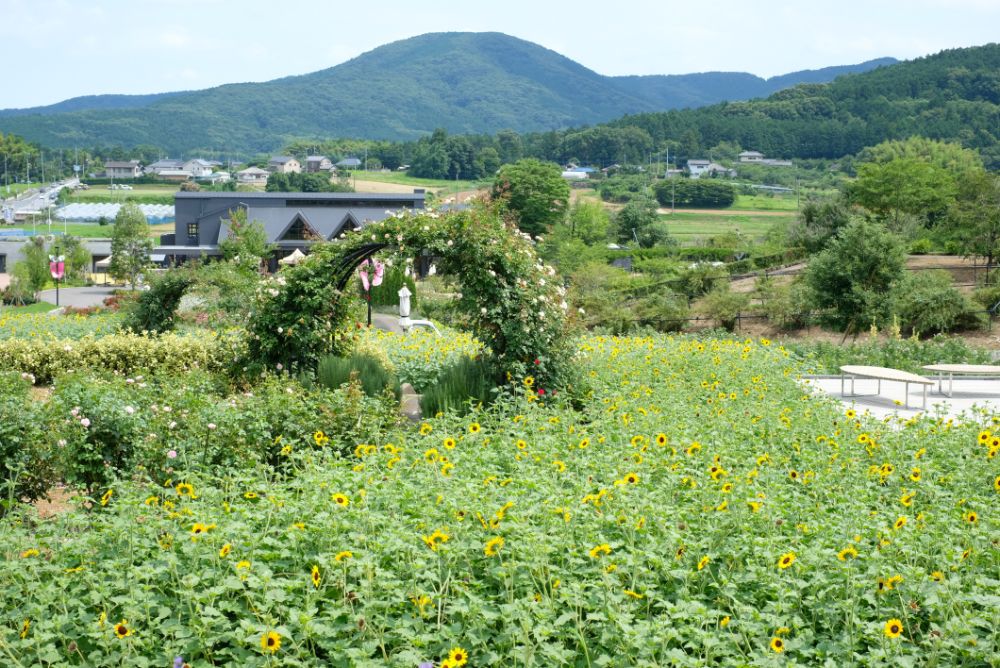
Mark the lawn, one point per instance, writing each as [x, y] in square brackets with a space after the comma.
[140, 194]
[694, 226]
[92, 230]
[7, 314]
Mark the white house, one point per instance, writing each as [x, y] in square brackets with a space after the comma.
[350, 163]
[284, 164]
[699, 167]
[252, 176]
[122, 170]
[318, 163]
[750, 156]
[160, 165]
[198, 167]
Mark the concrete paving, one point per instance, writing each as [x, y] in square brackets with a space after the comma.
[970, 395]
[85, 297]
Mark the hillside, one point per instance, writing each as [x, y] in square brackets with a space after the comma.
[953, 96]
[465, 82]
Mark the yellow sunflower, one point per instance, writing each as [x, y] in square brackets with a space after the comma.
[786, 560]
[122, 629]
[343, 555]
[598, 551]
[474, 428]
[225, 550]
[106, 497]
[893, 628]
[777, 645]
[848, 552]
[316, 578]
[270, 642]
[493, 546]
[341, 500]
[458, 657]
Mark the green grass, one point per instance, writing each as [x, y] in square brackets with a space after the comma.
[17, 188]
[38, 307]
[765, 202]
[151, 194]
[90, 230]
[691, 226]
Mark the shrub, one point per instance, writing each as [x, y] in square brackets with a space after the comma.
[375, 379]
[907, 354]
[927, 303]
[387, 294]
[459, 388]
[26, 472]
[921, 246]
[707, 193]
[700, 278]
[724, 305]
[122, 353]
[663, 311]
[156, 308]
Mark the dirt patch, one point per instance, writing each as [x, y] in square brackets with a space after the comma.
[59, 501]
[363, 186]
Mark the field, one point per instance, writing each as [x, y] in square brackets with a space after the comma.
[696, 506]
[443, 187]
[690, 226]
[140, 194]
[17, 188]
[90, 230]
[8, 313]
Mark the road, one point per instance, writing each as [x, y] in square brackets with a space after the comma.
[35, 201]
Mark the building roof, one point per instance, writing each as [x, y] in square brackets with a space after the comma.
[700, 163]
[120, 164]
[199, 162]
[316, 158]
[747, 154]
[281, 159]
[349, 162]
[374, 198]
[174, 172]
[250, 171]
[166, 163]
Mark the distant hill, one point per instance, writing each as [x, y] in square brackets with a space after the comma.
[464, 82]
[952, 96]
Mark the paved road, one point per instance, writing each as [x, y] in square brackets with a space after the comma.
[79, 297]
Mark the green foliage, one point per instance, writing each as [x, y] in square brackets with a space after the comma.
[901, 187]
[698, 193]
[305, 182]
[976, 216]
[420, 356]
[462, 387]
[655, 234]
[26, 472]
[512, 302]
[589, 222]
[122, 353]
[534, 192]
[818, 223]
[909, 354]
[155, 310]
[387, 294]
[373, 377]
[633, 219]
[663, 311]
[623, 188]
[246, 243]
[130, 245]
[927, 303]
[854, 274]
[724, 305]
[33, 271]
[700, 278]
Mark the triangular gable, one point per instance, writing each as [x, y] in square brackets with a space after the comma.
[298, 229]
[348, 224]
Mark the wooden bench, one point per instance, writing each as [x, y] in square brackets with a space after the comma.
[881, 373]
[960, 370]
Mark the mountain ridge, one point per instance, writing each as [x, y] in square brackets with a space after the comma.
[465, 82]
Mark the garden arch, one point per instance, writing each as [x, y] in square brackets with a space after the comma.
[514, 303]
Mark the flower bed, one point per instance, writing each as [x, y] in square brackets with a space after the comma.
[698, 506]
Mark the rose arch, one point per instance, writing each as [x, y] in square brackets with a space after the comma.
[513, 302]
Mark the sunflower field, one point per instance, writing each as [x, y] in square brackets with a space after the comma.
[696, 504]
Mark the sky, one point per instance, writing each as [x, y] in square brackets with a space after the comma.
[56, 49]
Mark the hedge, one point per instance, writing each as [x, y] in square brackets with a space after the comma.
[121, 353]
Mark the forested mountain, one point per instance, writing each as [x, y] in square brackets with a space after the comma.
[463, 82]
[953, 95]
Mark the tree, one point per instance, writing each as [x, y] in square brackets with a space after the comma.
[855, 275]
[534, 191]
[246, 244]
[977, 217]
[901, 187]
[589, 222]
[634, 218]
[32, 273]
[818, 223]
[130, 245]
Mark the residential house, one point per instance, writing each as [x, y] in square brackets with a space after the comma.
[160, 165]
[177, 175]
[114, 169]
[349, 163]
[198, 167]
[699, 167]
[252, 176]
[318, 163]
[284, 164]
[214, 177]
[290, 220]
[750, 156]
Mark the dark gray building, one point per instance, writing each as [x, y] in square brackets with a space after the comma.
[290, 220]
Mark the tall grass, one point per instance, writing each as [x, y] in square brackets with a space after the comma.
[332, 372]
[459, 387]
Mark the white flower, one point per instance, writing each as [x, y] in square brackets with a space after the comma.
[273, 292]
[432, 270]
[62, 443]
[85, 422]
[450, 242]
[67, 348]
[211, 426]
[483, 310]
[581, 311]
[563, 305]
[280, 366]
[166, 409]
[171, 425]
[129, 410]
[280, 330]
